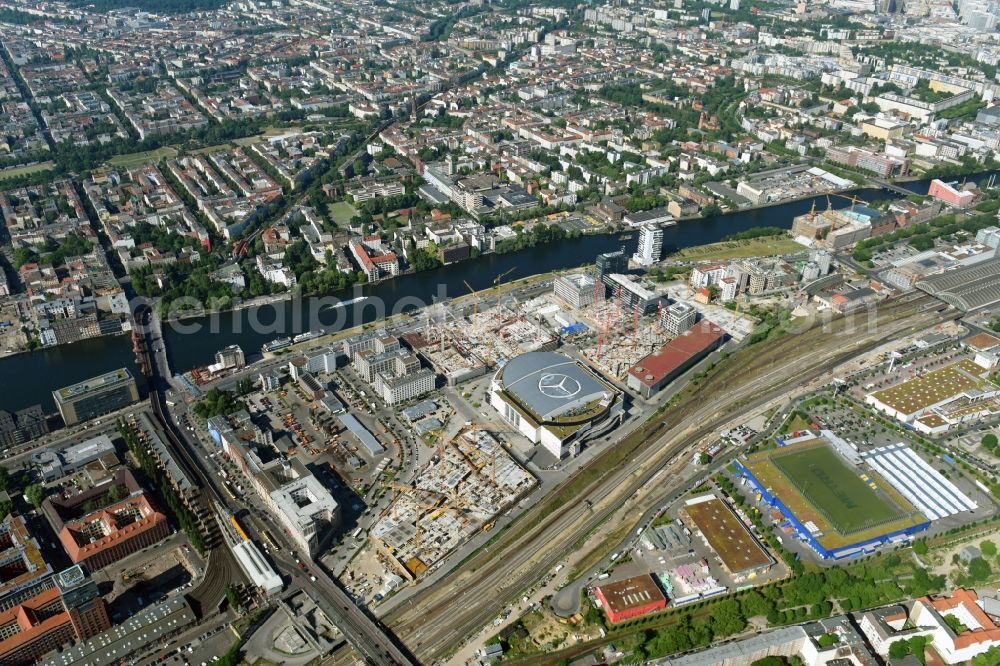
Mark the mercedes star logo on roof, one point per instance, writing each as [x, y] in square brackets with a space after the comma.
[558, 385]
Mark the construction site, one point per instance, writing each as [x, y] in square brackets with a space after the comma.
[623, 338]
[469, 482]
[462, 348]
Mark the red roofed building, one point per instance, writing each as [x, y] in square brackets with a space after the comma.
[980, 635]
[107, 523]
[71, 610]
[629, 598]
[957, 627]
[657, 370]
[373, 260]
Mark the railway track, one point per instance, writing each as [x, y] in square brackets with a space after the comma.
[437, 620]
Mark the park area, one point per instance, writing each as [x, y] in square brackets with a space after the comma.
[740, 249]
[16, 172]
[820, 488]
[133, 160]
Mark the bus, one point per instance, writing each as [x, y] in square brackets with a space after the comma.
[268, 539]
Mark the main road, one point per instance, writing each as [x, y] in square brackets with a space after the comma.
[364, 633]
[436, 621]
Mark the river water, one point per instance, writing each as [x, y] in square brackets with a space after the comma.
[27, 379]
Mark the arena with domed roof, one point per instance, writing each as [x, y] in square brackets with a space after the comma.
[555, 401]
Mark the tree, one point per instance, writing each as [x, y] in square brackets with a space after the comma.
[920, 547]
[35, 494]
[4, 479]
[988, 548]
[990, 441]
[232, 596]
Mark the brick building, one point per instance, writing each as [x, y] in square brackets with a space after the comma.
[106, 523]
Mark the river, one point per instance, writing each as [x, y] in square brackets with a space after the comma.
[27, 379]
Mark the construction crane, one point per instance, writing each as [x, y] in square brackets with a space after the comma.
[496, 281]
[475, 307]
[853, 199]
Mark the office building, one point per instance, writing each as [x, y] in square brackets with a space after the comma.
[650, 245]
[578, 291]
[96, 396]
[22, 426]
[823, 260]
[632, 294]
[71, 610]
[230, 357]
[611, 262]
[53, 464]
[678, 318]
[308, 512]
[124, 522]
[395, 390]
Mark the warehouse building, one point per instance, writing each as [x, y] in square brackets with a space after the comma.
[936, 400]
[652, 373]
[554, 401]
[630, 598]
[154, 625]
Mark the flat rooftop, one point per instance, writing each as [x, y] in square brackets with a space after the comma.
[303, 500]
[933, 387]
[635, 592]
[104, 381]
[692, 342]
[728, 537]
[153, 624]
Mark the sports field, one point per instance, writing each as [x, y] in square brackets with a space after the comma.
[341, 212]
[848, 502]
[828, 496]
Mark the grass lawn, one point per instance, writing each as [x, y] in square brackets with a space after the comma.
[341, 212]
[139, 159]
[14, 172]
[756, 247]
[828, 484]
[797, 423]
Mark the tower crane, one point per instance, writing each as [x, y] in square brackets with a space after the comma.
[496, 281]
[475, 306]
